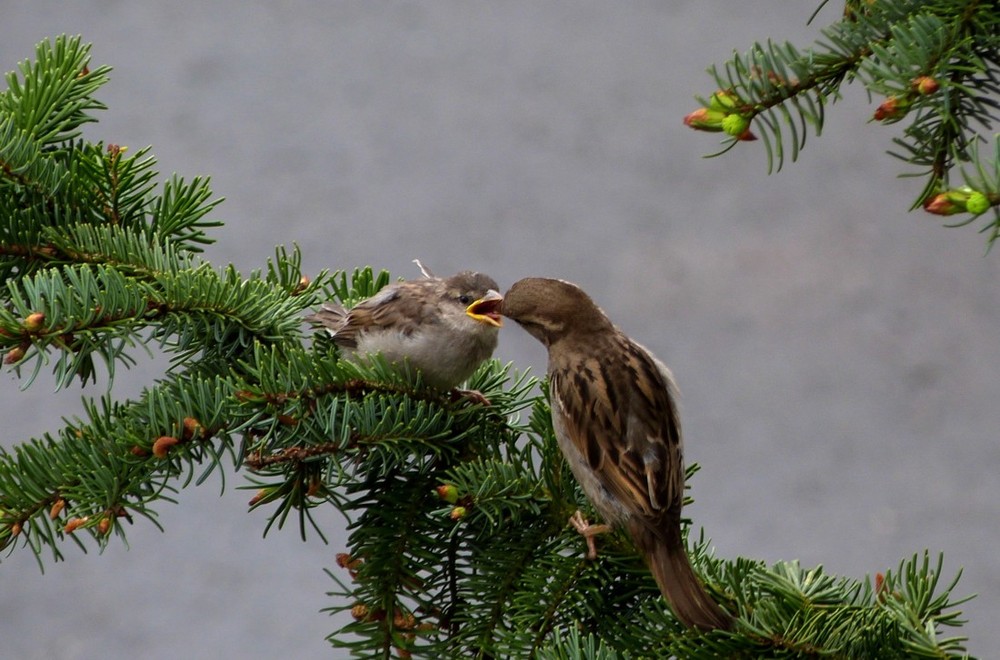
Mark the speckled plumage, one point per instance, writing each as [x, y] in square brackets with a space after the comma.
[615, 416]
[428, 322]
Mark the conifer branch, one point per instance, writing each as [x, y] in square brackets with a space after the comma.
[458, 543]
[935, 64]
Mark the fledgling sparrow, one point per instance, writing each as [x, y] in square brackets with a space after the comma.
[444, 327]
[616, 421]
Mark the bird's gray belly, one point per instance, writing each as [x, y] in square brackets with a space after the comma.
[606, 504]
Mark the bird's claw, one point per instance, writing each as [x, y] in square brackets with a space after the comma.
[588, 531]
[472, 396]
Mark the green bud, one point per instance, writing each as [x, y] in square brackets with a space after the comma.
[722, 101]
[735, 125]
[447, 492]
[704, 119]
[977, 203]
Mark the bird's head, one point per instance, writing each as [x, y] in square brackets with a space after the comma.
[552, 309]
[478, 294]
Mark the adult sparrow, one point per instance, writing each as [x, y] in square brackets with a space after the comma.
[615, 418]
[444, 327]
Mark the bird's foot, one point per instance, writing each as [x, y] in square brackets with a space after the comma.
[472, 396]
[588, 531]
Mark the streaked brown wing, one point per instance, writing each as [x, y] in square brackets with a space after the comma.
[402, 306]
[620, 413]
[654, 427]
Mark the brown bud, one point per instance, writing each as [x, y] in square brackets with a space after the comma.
[261, 494]
[362, 612]
[74, 523]
[925, 85]
[14, 355]
[880, 587]
[34, 322]
[940, 205]
[57, 508]
[192, 427]
[163, 444]
[404, 620]
[345, 560]
[779, 80]
[315, 486]
[15, 529]
[138, 451]
[892, 109]
[104, 526]
[303, 284]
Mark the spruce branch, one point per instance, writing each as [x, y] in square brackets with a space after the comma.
[54, 95]
[934, 64]
[458, 544]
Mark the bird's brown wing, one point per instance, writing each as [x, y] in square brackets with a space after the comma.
[402, 307]
[618, 409]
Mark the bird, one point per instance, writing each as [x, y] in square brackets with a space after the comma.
[615, 417]
[443, 327]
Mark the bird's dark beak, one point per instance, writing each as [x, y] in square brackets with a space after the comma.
[487, 309]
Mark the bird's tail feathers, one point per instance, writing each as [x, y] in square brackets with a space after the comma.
[667, 558]
[330, 316]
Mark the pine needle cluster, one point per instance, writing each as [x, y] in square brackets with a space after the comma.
[458, 544]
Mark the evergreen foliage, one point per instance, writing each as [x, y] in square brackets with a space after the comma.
[458, 540]
[935, 65]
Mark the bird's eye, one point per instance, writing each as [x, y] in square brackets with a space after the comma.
[464, 299]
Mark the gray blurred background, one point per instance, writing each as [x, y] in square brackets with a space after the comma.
[837, 355]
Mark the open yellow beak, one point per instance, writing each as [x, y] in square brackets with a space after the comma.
[487, 309]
